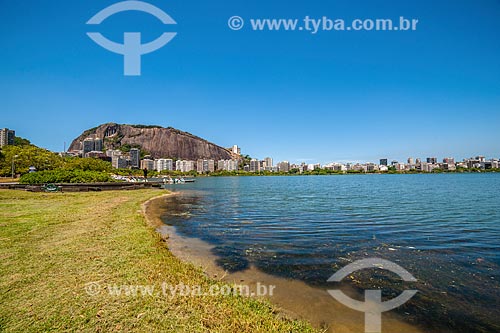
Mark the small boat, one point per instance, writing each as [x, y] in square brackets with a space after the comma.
[177, 180]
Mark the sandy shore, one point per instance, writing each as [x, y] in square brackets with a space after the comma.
[295, 298]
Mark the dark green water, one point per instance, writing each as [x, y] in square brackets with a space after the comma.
[444, 229]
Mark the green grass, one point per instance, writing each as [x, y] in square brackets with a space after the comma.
[52, 245]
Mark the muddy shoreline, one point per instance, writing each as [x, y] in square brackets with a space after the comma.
[294, 298]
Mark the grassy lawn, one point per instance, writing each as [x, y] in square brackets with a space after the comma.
[53, 245]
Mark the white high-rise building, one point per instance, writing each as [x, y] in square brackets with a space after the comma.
[148, 164]
[236, 150]
[269, 163]
[184, 166]
[227, 165]
[254, 165]
[163, 164]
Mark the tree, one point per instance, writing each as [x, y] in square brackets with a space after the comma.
[18, 141]
[26, 156]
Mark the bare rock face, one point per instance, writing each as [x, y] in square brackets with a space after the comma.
[158, 141]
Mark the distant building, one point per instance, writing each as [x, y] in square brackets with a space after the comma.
[164, 164]
[184, 166]
[98, 144]
[254, 165]
[112, 153]
[333, 166]
[383, 161]
[227, 165]
[432, 160]
[312, 167]
[422, 166]
[449, 166]
[410, 160]
[147, 164]
[91, 144]
[486, 165]
[236, 150]
[135, 157]
[203, 166]
[284, 166]
[118, 161]
[449, 160]
[7, 137]
[400, 166]
[87, 145]
[98, 154]
[269, 163]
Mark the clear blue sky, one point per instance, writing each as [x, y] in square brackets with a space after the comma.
[293, 96]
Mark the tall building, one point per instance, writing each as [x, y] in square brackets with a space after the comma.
[203, 166]
[410, 160]
[284, 166]
[148, 164]
[449, 160]
[118, 161]
[91, 144]
[98, 144]
[7, 137]
[236, 150]
[432, 160]
[135, 157]
[383, 161]
[87, 145]
[163, 164]
[269, 163]
[184, 166]
[227, 165]
[254, 165]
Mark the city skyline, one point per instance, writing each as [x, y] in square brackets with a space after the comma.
[93, 147]
[96, 144]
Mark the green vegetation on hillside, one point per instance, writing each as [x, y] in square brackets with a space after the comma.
[145, 126]
[51, 168]
[27, 155]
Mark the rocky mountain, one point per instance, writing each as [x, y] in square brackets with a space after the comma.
[159, 142]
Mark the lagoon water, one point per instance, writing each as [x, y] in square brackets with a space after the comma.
[443, 228]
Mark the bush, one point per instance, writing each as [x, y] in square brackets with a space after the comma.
[87, 164]
[65, 176]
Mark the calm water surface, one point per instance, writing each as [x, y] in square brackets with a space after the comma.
[444, 229]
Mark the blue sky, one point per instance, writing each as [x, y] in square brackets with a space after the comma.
[332, 96]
